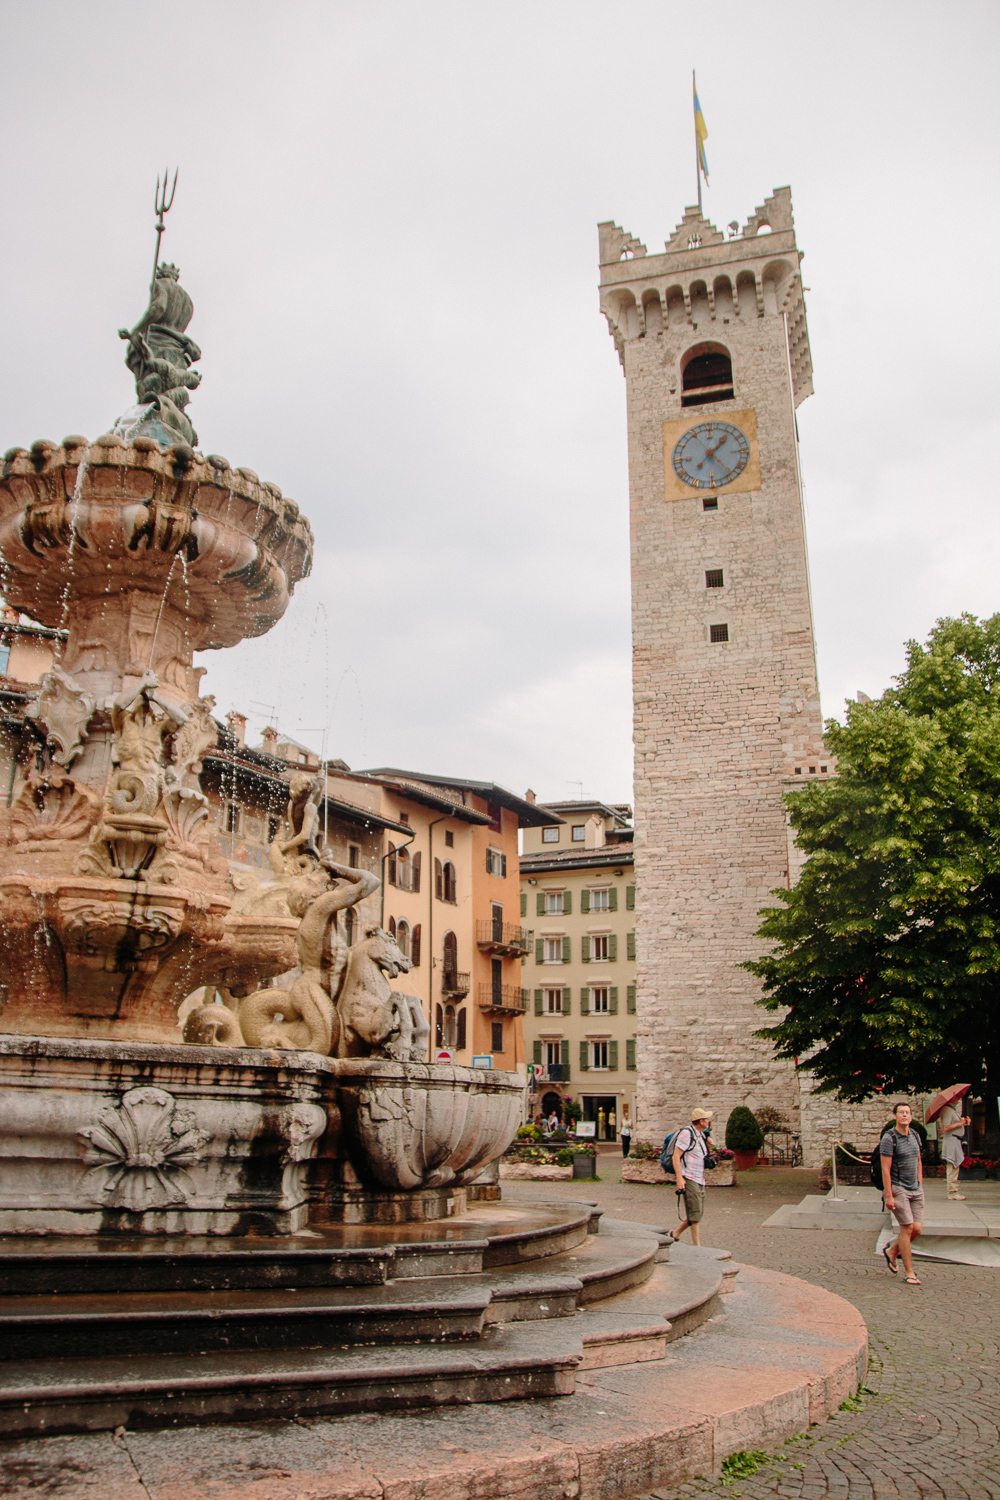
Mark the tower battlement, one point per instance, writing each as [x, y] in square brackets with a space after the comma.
[703, 281]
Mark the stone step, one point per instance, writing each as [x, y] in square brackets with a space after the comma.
[512, 1361]
[102, 1325]
[607, 1264]
[94, 1263]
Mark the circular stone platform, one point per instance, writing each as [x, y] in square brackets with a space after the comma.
[644, 1372]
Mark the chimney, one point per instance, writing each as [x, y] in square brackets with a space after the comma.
[270, 738]
[594, 835]
[529, 796]
[238, 725]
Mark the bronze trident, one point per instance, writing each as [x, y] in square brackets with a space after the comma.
[163, 205]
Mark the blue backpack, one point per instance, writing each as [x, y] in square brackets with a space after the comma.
[667, 1154]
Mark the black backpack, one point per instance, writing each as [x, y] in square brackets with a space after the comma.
[876, 1160]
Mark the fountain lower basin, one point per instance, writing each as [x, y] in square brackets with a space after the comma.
[116, 1138]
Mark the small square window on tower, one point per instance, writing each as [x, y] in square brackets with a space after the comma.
[718, 633]
[710, 502]
[713, 578]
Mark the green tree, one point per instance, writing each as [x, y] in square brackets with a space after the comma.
[887, 949]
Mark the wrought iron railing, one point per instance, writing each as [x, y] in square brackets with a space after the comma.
[454, 983]
[495, 934]
[502, 997]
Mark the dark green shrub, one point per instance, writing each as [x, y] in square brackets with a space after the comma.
[643, 1151]
[742, 1131]
[572, 1110]
[914, 1125]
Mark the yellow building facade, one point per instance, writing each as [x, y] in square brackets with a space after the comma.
[578, 893]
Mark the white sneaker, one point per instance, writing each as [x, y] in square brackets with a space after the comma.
[956, 1197]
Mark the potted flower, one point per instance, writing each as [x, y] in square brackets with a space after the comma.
[744, 1137]
[584, 1159]
[973, 1169]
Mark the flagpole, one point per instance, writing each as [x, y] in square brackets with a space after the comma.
[697, 148]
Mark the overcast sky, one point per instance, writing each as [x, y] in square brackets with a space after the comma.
[386, 219]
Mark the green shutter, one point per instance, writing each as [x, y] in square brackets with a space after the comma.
[585, 902]
[630, 945]
[585, 1002]
[524, 903]
[538, 1002]
[567, 955]
[613, 1057]
[612, 947]
[630, 898]
[630, 1054]
[584, 1057]
[564, 1060]
[613, 898]
[537, 1051]
[567, 1000]
[613, 1000]
[585, 950]
[540, 904]
[539, 950]
[630, 1000]
[567, 903]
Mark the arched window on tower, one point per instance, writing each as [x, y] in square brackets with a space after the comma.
[392, 927]
[450, 883]
[450, 957]
[403, 937]
[707, 375]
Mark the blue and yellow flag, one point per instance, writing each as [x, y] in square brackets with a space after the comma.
[701, 132]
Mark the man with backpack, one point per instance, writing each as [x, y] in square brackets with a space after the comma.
[691, 1145]
[903, 1189]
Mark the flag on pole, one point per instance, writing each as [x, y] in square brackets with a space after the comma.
[700, 131]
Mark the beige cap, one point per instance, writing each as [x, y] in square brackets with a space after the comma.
[700, 1114]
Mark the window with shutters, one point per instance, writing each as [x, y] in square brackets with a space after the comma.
[495, 814]
[553, 950]
[438, 878]
[600, 948]
[524, 903]
[415, 947]
[630, 898]
[553, 1054]
[599, 1054]
[553, 903]
[600, 900]
[630, 1054]
[630, 945]
[496, 1037]
[392, 927]
[579, 833]
[496, 862]
[599, 1000]
[460, 1033]
[550, 835]
[403, 937]
[438, 1026]
[449, 884]
[630, 999]
[553, 1002]
[450, 1026]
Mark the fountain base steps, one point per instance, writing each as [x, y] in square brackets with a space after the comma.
[780, 1356]
[88, 1360]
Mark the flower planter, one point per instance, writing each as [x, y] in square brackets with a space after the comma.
[972, 1174]
[651, 1171]
[584, 1165]
[745, 1160]
[519, 1171]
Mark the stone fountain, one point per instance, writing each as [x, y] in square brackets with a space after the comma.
[280, 1107]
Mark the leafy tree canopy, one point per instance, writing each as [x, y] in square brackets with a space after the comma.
[887, 956]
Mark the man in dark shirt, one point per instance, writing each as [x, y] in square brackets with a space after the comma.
[903, 1186]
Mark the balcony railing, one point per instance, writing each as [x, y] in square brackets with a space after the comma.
[558, 1072]
[503, 937]
[506, 997]
[454, 983]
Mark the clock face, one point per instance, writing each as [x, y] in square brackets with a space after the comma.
[711, 455]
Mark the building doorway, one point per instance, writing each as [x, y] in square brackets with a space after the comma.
[603, 1110]
[550, 1102]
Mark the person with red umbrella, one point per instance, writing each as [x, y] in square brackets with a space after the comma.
[951, 1125]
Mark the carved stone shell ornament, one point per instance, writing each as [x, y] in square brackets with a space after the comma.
[138, 1152]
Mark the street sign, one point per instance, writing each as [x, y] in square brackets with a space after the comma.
[444, 1056]
[482, 1062]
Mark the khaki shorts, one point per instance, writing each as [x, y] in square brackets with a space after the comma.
[909, 1207]
[694, 1201]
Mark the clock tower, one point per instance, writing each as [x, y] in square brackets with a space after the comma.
[711, 333]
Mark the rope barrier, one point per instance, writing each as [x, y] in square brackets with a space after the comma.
[843, 1148]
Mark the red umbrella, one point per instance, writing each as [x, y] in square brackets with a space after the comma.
[944, 1098]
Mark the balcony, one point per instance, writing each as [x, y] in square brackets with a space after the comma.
[506, 999]
[558, 1072]
[503, 938]
[455, 984]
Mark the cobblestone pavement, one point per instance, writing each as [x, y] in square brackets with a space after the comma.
[929, 1428]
